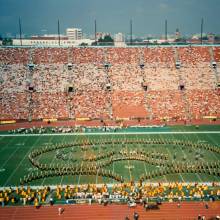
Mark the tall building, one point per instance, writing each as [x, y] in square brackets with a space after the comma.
[74, 33]
[119, 40]
[119, 37]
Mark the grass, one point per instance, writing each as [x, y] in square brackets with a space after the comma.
[14, 151]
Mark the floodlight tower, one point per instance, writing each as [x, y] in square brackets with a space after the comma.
[131, 26]
[58, 30]
[166, 30]
[202, 23]
[95, 31]
[20, 30]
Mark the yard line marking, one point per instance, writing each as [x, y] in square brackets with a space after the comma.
[205, 160]
[41, 156]
[215, 177]
[129, 165]
[54, 159]
[184, 157]
[96, 179]
[169, 152]
[82, 166]
[198, 176]
[6, 145]
[140, 146]
[113, 164]
[21, 161]
[2, 166]
[216, 145]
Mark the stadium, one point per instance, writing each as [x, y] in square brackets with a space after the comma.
[110, 126]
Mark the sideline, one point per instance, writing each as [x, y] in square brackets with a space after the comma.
[113, 133]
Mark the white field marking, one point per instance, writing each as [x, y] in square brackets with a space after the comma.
[185, 157]
[6, 145]
[210, 138]
[145, 169]
[112, 133]
[15, 170]
[52, 160]
[96, 179]
[200, 180]
[172, 159]
[2, 166]
[129, 165]
[84, 156]
[113, 164]
[203, 159]
[212, 153]
[215, 177]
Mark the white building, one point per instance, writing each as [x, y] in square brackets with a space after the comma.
[52, 42]
[0, 42]
[74, 33]
[119, 40]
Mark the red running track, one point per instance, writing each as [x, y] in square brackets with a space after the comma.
[168, 211]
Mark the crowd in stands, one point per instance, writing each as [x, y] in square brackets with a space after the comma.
[125, 193]
[106, 83]
[194, 55]
[216, 54]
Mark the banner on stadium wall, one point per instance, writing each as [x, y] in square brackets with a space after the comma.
[122, 119]
[82, 119]
[210, 117]
[49, 119]
[7, 122]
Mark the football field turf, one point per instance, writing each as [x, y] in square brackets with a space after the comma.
[128, 155]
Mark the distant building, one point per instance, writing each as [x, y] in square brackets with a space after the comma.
[119, 40]
[101, 35]
[74, 33]
[0, 42]
[211, 38]
[119, 37]
[50, 41]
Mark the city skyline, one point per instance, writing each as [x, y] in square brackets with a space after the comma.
[40, 17]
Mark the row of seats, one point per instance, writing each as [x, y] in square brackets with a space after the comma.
[127, 77]
[95, 104]
[188, 55]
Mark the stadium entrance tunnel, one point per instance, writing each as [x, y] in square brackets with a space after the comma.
[123, 160]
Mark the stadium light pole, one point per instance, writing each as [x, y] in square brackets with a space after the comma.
[202, 23]
[20, 31]
[95, 31]
[58, 30]
[166, 30]
[131, 32]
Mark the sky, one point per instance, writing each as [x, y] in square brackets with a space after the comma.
[148, 16]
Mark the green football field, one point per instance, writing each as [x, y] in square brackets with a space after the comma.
[184, 154]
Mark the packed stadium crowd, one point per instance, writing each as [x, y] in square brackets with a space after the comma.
[106, 83]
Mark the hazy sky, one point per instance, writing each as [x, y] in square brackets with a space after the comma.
[40, 16]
